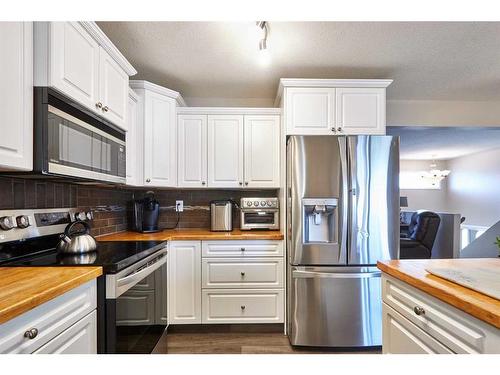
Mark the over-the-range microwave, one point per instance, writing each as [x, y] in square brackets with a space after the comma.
[70, 141]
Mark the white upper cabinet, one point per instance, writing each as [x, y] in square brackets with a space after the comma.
[225, 151]
[132, 151]
[310, 110]
[16, 96]
[79, 60]
[160, 152]
[113, 89]
[74, 62]
[333, 106]
[262, 156]
[192, 151]
[361, 110]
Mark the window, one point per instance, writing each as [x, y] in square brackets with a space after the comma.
[469, 233]
[418, 180]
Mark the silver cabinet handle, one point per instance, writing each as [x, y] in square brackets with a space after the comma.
[98, 105]
[243, 307]
[419, 310]
[242, 274]
[148, 180]
[31, 333]
[339, 129]
[105, 108]
[332, 129]
[242, 249]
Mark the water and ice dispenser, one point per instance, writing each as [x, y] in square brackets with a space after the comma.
[320, 220]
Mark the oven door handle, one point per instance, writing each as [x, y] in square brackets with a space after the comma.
[127, 282]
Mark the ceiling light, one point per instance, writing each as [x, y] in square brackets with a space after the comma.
[264, 57]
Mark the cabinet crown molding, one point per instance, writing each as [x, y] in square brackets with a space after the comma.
[101, 38]
[146, 85]
[227, 111]
[306, 82]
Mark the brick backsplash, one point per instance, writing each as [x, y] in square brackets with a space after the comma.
[112, 205]
[197, 205]
[108, 204]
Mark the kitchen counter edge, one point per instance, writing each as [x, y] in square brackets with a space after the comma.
[412, 272]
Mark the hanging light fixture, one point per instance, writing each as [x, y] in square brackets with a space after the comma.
[435, 175]
[264, 57]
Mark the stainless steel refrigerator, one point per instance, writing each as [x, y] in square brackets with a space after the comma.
[342, 216]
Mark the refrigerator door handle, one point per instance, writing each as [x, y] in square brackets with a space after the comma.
[334, 275]
[345, 196]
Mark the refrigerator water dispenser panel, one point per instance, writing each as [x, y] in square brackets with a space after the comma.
[320, 221]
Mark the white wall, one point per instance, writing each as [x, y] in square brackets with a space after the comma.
[424, 199]
[474, 187]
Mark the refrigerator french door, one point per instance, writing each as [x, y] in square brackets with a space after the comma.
[342, 216]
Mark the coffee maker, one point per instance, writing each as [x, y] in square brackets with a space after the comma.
[146, 212]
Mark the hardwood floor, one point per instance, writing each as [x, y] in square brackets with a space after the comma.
[234, 339]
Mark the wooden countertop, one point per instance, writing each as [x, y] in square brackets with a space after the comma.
[474, 303]
[193, 234]
[24, 288]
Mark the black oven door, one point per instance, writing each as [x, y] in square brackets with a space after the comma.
[137, 318]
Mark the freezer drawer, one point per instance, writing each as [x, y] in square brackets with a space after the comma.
[334, 307]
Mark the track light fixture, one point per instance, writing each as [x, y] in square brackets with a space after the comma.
[264, 57]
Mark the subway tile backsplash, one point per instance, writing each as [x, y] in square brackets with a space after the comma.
[112, 206]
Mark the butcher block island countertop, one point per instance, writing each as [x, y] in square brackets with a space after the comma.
[193, 235]
[24, 288]
[413, 272]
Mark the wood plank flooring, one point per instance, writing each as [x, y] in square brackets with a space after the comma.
[234, 339]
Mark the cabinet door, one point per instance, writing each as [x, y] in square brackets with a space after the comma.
[113, 90]
[16, 96]
[131, 140]
[225, 151]
[80, 338]
[192, 154]
[400, 336]
[262, 156]
[309, 111]
[184, 284]
[74, 63]
[160, 151]
[361, 110]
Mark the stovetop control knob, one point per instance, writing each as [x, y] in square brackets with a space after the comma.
[80, 215]
[23, 221]
[6, 223]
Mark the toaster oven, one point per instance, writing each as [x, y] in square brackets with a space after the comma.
[259, 213]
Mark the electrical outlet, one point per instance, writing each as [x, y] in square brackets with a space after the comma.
[179, 206]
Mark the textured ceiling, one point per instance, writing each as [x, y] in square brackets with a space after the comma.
[427, 60]
[425, 143]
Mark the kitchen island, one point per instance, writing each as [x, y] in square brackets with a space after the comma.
[423, 313]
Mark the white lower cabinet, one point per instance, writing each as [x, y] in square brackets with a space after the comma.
[403, 337]
[242, 306]
[215, 282]
[80, 338]
[184, 282]
[65, 324]
[415, 322]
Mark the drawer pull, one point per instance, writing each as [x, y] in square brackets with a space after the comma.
[242, 249]
[242, 307]
[419, 310]
[31, 333]
[242, 274]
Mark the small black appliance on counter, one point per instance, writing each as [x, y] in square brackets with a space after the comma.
[146, 213]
